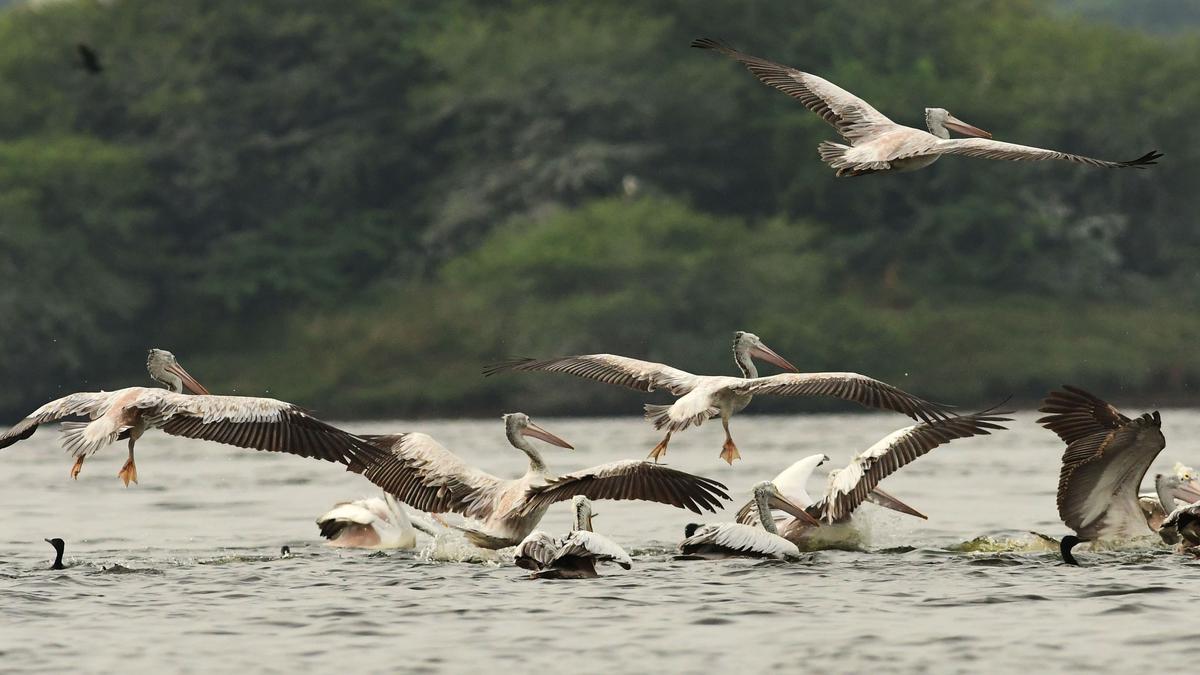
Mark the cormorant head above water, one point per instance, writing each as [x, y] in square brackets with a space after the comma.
[59, 545]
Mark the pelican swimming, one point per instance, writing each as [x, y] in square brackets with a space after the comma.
[425, 475]
[187, 409]
[877, 144]
[59, 546]
[704, 396]
[734, 540]
[1180, 485]
[375, 522]
[846, 489]
[1107, 456]
[575, 555]
[1182, 527]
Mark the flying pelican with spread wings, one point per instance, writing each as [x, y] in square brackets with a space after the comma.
[704, 396]
[876, 143]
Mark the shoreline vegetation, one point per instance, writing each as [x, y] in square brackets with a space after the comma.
[355, 206]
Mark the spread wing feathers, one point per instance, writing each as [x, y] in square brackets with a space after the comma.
[738, 538]
[584, 544]
[83, 404]
[422, 473]
[851, 116]
[607, 368]
[988, 149]
[1184, 516]
[854, 484]
[630, 479]
[257, 423]
[1075, 414]
[860, 389]
[535, 551]
[1100, 476]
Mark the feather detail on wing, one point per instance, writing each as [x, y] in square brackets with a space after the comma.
[425, 475]
[607, 368]
[860, 389]
[738, 538]
[83, 404]
[631, 479]
[851, 116]
[986, 148]
[584, 544]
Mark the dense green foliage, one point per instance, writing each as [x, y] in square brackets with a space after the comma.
[355, 205]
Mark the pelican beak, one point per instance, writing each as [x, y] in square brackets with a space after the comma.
[190, 385]
[885, 500]
[761, 351]
[534, 431]
[778, 501]
[954, 124]
[1188, 492]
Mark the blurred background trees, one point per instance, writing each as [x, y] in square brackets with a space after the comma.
[355, 205]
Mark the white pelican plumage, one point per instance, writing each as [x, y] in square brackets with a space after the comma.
[1107, 456]
[374, 522]
[734, 540]
[704, 396]
[846, 489]
[876, 143]
[575, 555]
[425, 475]
[1182, 527]
[187, 409]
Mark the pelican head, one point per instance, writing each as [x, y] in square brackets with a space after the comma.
[941, 123]
[748, 346]
[583, 512]
[1180, 484]
[518, 424]
[767, 496]
[166, 370]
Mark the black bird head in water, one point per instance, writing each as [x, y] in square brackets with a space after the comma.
[690, 529]
[88, 58]
[1069, 542]
[285, 552]
[59, 545]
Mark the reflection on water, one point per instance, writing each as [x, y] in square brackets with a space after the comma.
[183, 571]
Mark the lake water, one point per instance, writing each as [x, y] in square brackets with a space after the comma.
[181, 573]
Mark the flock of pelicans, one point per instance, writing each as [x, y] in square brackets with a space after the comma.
[1107, 455]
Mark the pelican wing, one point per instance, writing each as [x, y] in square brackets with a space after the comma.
[535, 551]
[1076, 414]
[356, 512]
[607, 368]
[83, 404]
[851, 116]
[584, 544]
[259, 423]
[860, 389]
[1101, 470]
[630, 479]
[738, 538]
[854, 484]
[422, 473]
[986, 148]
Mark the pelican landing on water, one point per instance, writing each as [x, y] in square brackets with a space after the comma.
[877, 144]
[859, 482]
[1107, 456]
[375, 523]
[186, 409]
[423, 474]
[701, 397]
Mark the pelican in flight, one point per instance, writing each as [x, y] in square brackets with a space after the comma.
[376, 523]
[425, 475]
[737, 540]
[1107, 456]
[846, 489]
[704, 396]
[186, 409]
[575, 555]
[877, 144]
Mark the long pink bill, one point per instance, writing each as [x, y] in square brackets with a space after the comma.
[788, 506]
[767, 354]
[955, 124]
[190, 385]
[885, 500]
[534, 431]
[1188, 492]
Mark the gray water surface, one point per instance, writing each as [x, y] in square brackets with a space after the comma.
[182, 572]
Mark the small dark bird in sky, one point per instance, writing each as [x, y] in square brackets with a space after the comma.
[58, 545]
[88, 58]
